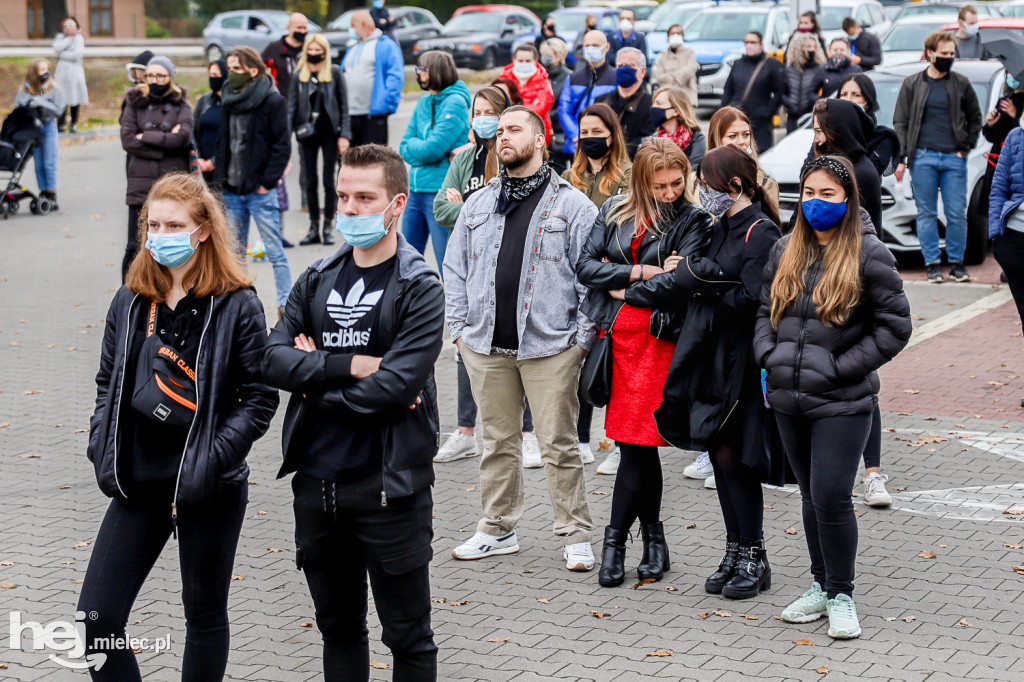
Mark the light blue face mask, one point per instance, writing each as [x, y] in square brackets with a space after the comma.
[352, 34]
[171, 250]
[363, 231]
[485, 127]
[1012, 82]
[593, 54]
[377, 4]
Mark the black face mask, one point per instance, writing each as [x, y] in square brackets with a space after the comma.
[299, 36]
[944, 64]
[550, 29]
[216, 83]
[159, 89]
[423, 86]
[314, 58]
[594, 147]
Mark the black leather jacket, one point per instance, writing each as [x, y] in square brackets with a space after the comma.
[412, 327]
[335, 102]
[688, 234]
[234, 405]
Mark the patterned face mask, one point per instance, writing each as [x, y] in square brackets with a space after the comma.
[714, 201]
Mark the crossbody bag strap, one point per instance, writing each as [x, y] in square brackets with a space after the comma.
[750, 229]
[750, 83]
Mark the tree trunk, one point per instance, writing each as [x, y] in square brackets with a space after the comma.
[54, 12]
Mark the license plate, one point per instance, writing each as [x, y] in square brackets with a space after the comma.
[705, 89]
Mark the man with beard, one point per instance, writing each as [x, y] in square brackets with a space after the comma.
[519, 236]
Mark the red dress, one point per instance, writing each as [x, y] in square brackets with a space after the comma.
[640, 364]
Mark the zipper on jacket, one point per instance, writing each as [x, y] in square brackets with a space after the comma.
[120, 388]
[709, 281]
[384, 469]
[181, 464]
[803, 333]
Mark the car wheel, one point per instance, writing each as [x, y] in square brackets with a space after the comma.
[213, 53]
[490, 60]
[977, 228]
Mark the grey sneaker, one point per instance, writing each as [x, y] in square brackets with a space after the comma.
[811, 606]
[842, 618]
[458, 446]
[875, 493]
[958, 273]
[935, 274]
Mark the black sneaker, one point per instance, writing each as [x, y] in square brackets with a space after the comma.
[958, 273]
[935, 274]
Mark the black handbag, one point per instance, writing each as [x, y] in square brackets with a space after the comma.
[596, 376]
[165, 384]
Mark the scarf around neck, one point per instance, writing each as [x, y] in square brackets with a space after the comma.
[249, 98]
[515, 190]
[681, 136]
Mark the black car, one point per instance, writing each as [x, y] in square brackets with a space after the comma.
[411, 24]
[482, 39]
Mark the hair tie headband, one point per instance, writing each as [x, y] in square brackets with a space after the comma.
[832, 165]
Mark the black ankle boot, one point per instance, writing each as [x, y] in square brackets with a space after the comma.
[727, 567]
[753, 573]
[52, 197]
[655, 562]
[313, 236]
[613, 558]
[328, 232]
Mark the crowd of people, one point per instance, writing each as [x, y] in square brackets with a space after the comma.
[594, 248]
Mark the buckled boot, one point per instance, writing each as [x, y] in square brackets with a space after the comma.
[613, 558]
[328, 232]
[655, 562]
[313, 236]
[753, 573]
[726, 568]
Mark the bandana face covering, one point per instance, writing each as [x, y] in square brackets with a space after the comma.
[515, 190]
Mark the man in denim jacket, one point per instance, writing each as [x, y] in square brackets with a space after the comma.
[512, 306]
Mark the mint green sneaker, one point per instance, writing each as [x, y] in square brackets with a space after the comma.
[842, 618]
[811, 606]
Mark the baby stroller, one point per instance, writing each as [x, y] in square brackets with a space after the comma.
[17, 141]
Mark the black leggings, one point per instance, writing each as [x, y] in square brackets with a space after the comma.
[1008, 250]
[74, 115]
[638, 483]
[825, 454]
[309, 150]
[738, 486]
[133, 533]
[873, 450]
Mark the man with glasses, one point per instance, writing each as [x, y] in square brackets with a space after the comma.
[756, 85]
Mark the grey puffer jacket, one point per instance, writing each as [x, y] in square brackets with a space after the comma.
[818, 371]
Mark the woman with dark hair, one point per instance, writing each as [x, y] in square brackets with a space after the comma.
[712, 397]
[511, 89]
[69, 72]
[860, 89]
[180, 400]
[884, 145]
[832, 312]
[207, 119]
[807, 25]
[675, 119]
[439, 125]
[635, 301]
[998, 124]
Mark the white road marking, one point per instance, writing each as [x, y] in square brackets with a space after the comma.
[959, 316]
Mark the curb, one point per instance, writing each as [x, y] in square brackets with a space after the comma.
[90, 135]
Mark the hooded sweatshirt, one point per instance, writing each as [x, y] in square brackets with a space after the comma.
[439, 124]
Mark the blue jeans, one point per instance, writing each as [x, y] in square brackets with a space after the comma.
[264, 210]
[45, 156]
[931, 172]
[418, 223]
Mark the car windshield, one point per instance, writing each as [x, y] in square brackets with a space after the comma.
[917, 9]
[342, 23]
[731, 26]
[570, 21]
[643, 11]
[909, 37]
[887, 91]
[279, 20]
[831, 18]
[488, 22]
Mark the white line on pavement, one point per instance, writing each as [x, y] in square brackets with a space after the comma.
[968, 312]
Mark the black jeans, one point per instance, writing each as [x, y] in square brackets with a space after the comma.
[132, 245]
[873, 450]
[738, 486]
[342, 535]
[131, 537]
[825, 454]
[638, 486]
[74, 116]
[1008, 250]
[309, 150]
[368, 129]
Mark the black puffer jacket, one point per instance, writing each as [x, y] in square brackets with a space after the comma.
[802, 88]
[411, 327]
[688, 234]
[234, 405]
[818, 371]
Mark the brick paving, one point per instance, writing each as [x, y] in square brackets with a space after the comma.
[954, 616]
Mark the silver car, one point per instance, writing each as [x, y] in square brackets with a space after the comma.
[255, 28]
[905, 40]
[899, 213]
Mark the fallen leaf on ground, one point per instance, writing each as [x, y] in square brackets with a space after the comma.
[78, 582]
[439, 600]
[900, 488]
[691, 526]
[822, 669]
[790, 531]
[723, 614]
[804, 642]
[747, 616]
[661, 653]
[470, 488]
[1013, 512]
[66, 563]
[599, 614]
[909, 619]
[64, 487]
[890, 618]
[544, 601]
[604, 445]
[7, 585]
[963, 623]
[5, 425]
[768, 506]
[30, 456]
[238, 577]
[1011, 546]
[927, 554]
[599, 492]
[1019, 569]
[671, 589]
[911, 391]
[31, 392]
[274, 550]
[81, 431]
[306, 625]
[459, 603]
[703, 615]
[81, 543]
[261, 513]
[499, 640]
[6, 562]
[941, 545]
[529, 570]
[645, 581]
[379, 665]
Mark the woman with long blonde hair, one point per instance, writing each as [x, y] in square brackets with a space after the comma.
[805, 78]
[180, 399]
[318, 115]
[636, 302]
[674, 118]
[832, 312]
[41, 95]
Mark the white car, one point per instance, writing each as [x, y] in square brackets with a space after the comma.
[905, 40]
[869, 14]
[785, 160]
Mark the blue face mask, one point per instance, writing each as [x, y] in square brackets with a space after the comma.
[1012, 82]
[377, 4]
[823, 215]
[171, 250]
[625, 76]
[352, 34]
[485, 127]
[363, 231]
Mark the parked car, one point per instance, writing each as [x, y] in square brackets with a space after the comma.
[571, 20]
[641, 8]
[899, 213]
[870, 14]
[715, 33]
[411, 24]
[985, 9]
[1014, 9]
[482, 39]
[905, 40]
[255, 28]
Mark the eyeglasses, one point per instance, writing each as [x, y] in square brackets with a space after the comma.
[157, 78]
[421, 69]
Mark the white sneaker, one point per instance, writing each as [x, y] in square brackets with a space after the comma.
[586, 454]
[875, 493]
[709, 482]
[610, 465]
[701, 468]
[579, 557]
[531, 452]
[458, 446]
[483, 545]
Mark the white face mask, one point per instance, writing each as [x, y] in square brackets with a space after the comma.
[525, 69]
[626, 26]
[675, 40]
